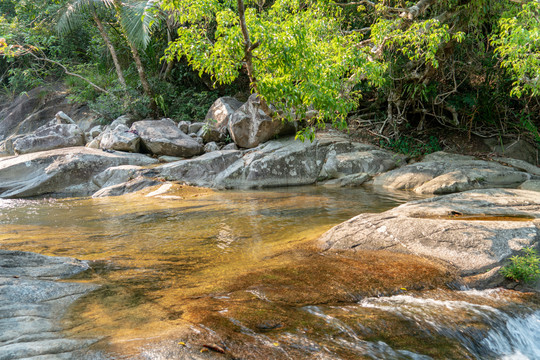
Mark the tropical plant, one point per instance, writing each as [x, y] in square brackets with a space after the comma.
[525, 268]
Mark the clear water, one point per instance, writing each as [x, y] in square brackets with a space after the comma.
[185, 268]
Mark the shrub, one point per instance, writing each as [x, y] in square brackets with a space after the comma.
[523, 268]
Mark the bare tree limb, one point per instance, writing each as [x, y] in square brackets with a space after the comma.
[98, 88]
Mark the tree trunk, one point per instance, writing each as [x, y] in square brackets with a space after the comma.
[112, 50]
[138, 63]
[142, 76]
[248, 55]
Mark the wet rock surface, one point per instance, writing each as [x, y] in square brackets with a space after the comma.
[32, 304]
[475, 231]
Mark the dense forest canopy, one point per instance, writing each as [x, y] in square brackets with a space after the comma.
[391, 66]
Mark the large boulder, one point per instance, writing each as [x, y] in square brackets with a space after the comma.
[120, 138]
[475, 231]
[220, 112]
[49, 137]
[250, 125]
[65, 172]
[33, 304]
[442, 173]
[200, 171]
[162, 137]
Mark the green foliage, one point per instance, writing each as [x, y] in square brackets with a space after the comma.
[411, 147]
[303, 60]
[523, 268]
[517, 42]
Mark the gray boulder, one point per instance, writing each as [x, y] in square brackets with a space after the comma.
[184, 126]
[96, 130]
[116, 175]
[62, 118]
[250, 126]
[475, 231]
[200, 171]
[133, 185]
[209, 134]
[195, 127]
[289, 162]
[221, 111]
[370, 160]
[33, 304]
[49, 137]
[125, 120]
[441, 174]
[66, 172]
[120, 138]
[211, 146]
[231, 146]
[162, 137]
[6, 146]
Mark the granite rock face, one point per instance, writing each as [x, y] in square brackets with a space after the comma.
[60, 172]
[250, 126]
[221, 111]
[32, 304]
[475, 231]
[120, 138]
[49, 137]
[442, 173]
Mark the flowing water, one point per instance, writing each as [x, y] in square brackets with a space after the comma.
[191, 273]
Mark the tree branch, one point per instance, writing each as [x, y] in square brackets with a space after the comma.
[70, 73]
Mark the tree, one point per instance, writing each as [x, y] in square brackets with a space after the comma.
[134, 19]
[295, 53]
[71, 20]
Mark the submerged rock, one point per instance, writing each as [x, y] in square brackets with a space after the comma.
[66, 172]
[442, 173]
[33, 304]
[475, 231]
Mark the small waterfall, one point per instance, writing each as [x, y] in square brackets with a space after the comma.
[485, 324]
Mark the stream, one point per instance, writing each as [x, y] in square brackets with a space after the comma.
[194, 274]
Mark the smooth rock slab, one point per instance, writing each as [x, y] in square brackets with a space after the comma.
[32, 304]
[66, 172]
[439, 228]
[442, 173]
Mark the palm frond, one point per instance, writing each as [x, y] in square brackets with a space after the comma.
[137, 20]
[76, 13]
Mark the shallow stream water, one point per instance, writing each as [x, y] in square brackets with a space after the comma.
[193, 273]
